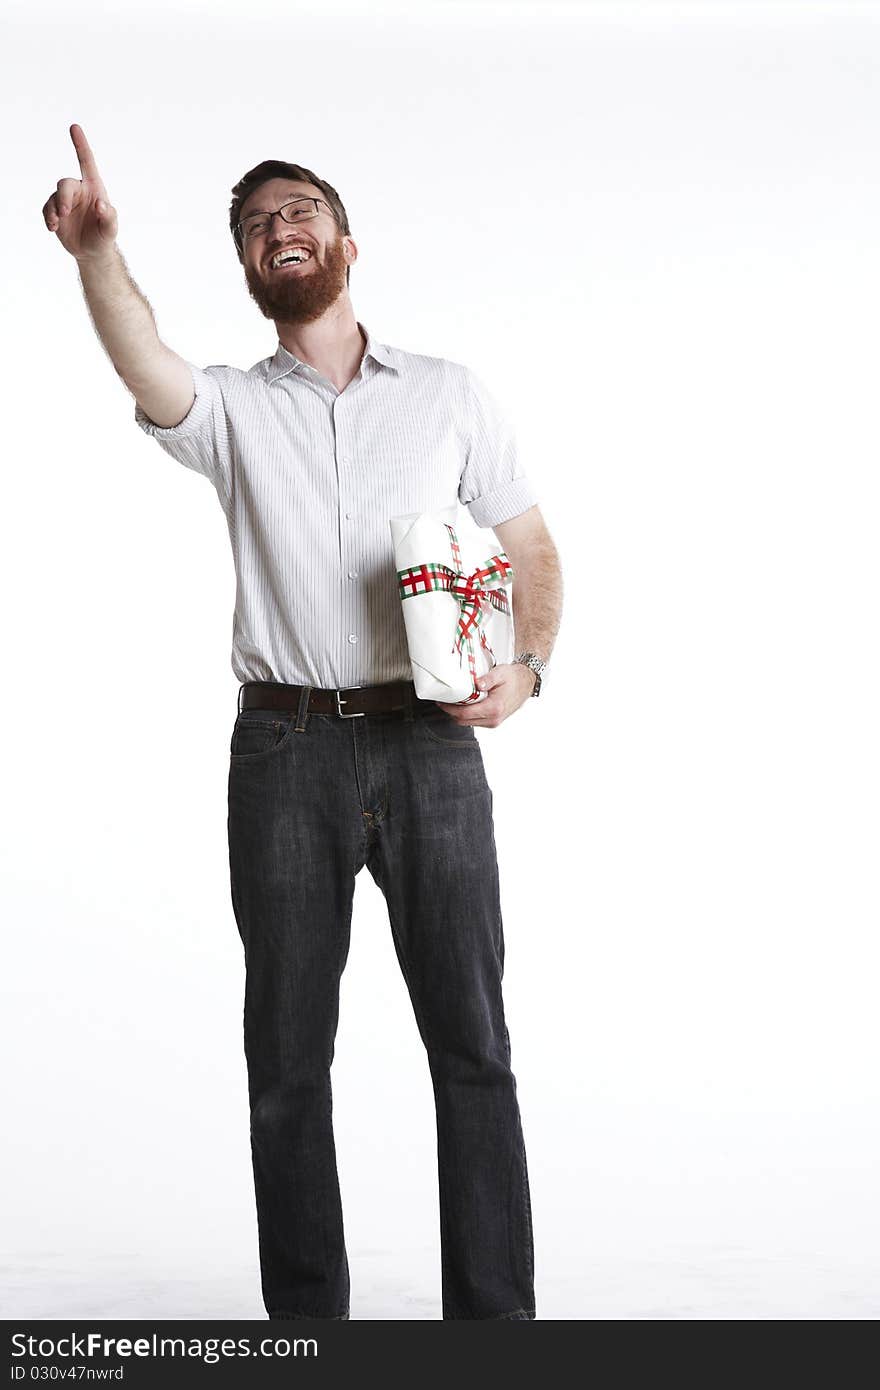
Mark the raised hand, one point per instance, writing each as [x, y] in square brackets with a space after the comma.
[79, 212]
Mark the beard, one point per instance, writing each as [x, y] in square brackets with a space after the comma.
[300, 296]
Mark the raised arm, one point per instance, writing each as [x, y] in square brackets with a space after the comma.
[84, 221]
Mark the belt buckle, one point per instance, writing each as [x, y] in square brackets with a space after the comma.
[340, 702]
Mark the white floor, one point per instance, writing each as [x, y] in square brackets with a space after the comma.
[690, 1282]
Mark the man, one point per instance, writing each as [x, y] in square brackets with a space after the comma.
[334, 762]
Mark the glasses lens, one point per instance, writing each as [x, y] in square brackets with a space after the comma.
[299, 211]
[253, 226]
[296, 211]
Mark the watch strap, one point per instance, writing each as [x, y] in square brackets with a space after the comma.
[535, 664]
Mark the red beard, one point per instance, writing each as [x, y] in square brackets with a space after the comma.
[300, 296]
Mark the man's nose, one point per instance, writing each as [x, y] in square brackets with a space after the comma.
[279, 230]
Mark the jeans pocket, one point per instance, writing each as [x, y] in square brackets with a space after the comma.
[442, 728]
[255, 734]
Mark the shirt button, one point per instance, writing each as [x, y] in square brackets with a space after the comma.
[352, 637]
[349, 516]
[352, 574]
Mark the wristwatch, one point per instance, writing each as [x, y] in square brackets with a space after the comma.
[535, 664]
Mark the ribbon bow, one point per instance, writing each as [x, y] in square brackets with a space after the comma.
[474, 592]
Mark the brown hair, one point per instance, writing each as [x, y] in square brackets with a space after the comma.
[280, 169]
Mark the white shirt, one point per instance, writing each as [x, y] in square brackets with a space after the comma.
[308, 477]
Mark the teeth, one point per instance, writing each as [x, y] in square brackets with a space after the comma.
[297, 256]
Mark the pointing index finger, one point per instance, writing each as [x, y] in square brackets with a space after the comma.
[87, 165]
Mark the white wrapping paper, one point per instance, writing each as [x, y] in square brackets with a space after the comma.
[431, 617]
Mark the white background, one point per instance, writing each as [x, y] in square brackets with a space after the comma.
[653, 230]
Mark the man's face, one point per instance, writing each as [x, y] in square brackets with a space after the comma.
[294, 293]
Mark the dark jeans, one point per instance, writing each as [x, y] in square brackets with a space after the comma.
[308, 808]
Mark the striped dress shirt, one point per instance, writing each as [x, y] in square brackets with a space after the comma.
[308, 477]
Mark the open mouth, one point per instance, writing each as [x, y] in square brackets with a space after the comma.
[290, 260]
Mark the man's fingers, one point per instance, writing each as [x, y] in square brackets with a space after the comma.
[84, 154]
[68, 196]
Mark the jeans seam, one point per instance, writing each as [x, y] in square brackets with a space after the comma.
[451, 742]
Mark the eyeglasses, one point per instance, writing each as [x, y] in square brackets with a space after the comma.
[299, 210]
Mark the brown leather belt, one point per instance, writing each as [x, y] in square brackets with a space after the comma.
[345, 703]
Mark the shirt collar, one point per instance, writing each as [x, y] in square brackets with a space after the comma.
[285, 361]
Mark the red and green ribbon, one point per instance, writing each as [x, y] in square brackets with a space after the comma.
[475, 593]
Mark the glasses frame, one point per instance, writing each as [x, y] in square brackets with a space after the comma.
[279, 212]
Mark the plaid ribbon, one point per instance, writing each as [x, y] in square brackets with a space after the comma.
[474, 594]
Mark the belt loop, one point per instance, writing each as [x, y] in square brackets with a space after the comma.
[408, 689]
[302, 713]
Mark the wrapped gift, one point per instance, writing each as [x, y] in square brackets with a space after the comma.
[457, 605]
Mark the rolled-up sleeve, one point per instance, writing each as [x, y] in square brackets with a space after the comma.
[202, 439]
[493, 486]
